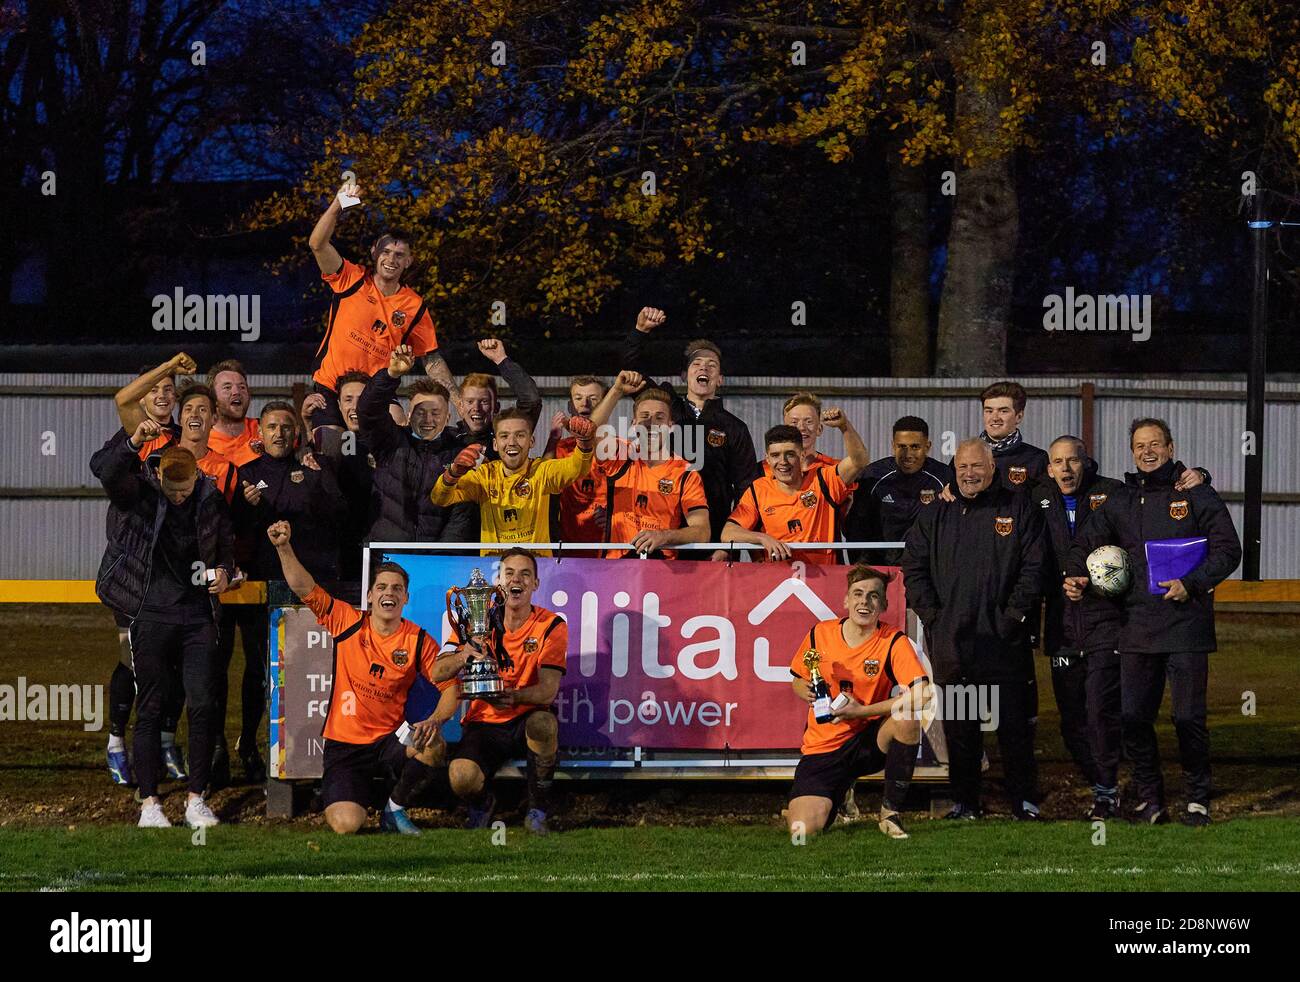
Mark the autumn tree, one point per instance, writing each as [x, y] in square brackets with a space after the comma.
[540, 149]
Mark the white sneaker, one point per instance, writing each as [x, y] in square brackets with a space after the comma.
[152, 817]
[199, 815]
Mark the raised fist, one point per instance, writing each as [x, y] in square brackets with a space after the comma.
[630, 382]
[465, 461]
[835, 419]
[649, 318]
[146, 431]
[184, 364]
[492, 349]
[278, 533]
[581, 427]
[557, 420]
[314, 403]
[401, 361]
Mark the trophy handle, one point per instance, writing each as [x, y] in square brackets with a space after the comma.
[456, 614]
[496, 617]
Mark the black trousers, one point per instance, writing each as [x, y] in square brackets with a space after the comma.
[157, 650]
[1087, 689]
[1142, 678]
[965, 740]
[252, 621]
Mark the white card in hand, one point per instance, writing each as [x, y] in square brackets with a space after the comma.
[404, 734]
[347, 200]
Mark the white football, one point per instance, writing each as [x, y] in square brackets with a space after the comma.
[1108, 570]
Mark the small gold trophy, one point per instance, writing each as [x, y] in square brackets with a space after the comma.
[821, 691]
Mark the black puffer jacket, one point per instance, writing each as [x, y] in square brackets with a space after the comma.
[1093, 623]
[406, 468]
[139, 505]
[973, 572]
[309, 500]
[1148, 508]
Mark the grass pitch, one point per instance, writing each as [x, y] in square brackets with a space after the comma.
[1248, 854]
[64, 827]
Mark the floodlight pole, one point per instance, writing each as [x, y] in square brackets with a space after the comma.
[1255, 381]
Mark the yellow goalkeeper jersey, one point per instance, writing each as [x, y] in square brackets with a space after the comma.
[514, 508]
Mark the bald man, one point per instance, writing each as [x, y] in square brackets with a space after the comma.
[973, 571]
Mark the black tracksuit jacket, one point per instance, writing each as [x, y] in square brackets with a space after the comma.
[972, 569]
[1093, 623]
[1147, 508]
[309, 500]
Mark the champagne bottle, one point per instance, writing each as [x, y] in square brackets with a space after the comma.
[820, 690]
[822, 702]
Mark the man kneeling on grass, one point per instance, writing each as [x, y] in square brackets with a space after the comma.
[858, 728]
[376, 657]
[521, 721]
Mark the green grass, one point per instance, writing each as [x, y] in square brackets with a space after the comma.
[1247, 854]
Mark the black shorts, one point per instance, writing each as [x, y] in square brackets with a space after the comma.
[492, 744]
[351, 769]
[830, 775]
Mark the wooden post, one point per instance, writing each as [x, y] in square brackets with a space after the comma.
[1087, 393]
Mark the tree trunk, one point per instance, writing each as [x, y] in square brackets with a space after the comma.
[975, 306]
[909, 307]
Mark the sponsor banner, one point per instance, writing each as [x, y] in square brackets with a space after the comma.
[663, 654]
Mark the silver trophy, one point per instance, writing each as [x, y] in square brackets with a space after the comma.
[475, 612]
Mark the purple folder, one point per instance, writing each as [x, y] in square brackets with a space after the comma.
[1172, 559]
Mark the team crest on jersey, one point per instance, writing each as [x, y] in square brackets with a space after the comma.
[1095, 501]
[665, 485]
[399, 318]
[808, 499]
[530, 646]
[1178, 509]
[522, 488]
[400, 657]
[296, 476]
[1003, 524]
[716, 438]
[1017, 474]
[872, 667]
[927, 496]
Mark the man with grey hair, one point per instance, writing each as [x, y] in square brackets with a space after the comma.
[973, 570]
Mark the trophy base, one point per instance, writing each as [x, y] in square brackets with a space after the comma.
[482, 690]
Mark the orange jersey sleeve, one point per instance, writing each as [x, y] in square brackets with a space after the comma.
[555, 648]
[347, 276]
[333, 615]
[692, 492]
[839, 491]
[745, 514]
[424, 336]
